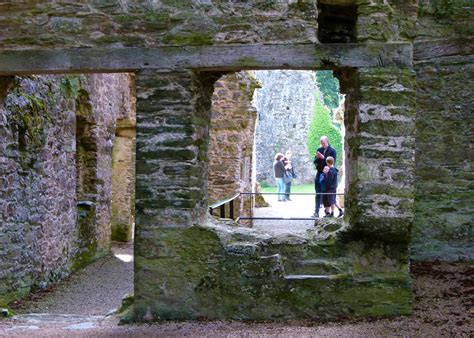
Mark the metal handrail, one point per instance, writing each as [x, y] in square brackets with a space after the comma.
[218, 204]
[278, 218]
[293, 193]
[230, 201]
[221, 206]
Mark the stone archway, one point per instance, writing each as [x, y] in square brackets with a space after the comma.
[59, 131]
[213, 271]
[232, 133]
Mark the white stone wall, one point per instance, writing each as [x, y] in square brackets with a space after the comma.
[285, 106]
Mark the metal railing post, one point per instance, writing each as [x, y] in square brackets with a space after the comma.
[221, 205]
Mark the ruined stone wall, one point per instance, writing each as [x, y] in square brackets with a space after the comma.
[224, 272]
[443, 57]
[111, 96]
[181, 270]
[186, 268]
[123, 165]
[101, 99]
[285, 106]
[173, 117]
[231, 141]
[380, 169]
[386, 21]
[123, 180]
[44, 237]
[132, 23]
[38, 231]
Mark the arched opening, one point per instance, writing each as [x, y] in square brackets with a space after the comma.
[254, 116]
[60, 130]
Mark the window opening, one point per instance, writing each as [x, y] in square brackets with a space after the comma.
[295, 109]
[336, 23]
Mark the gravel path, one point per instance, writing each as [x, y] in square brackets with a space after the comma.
[443, 306]
[95, 290]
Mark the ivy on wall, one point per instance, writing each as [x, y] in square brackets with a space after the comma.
[30, 116]
[321, 124]
[70, 86]
[31, 119]
[329, 87]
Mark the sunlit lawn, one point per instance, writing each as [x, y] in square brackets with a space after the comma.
[294, 188]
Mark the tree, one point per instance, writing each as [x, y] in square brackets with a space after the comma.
[329, 87]
[321, 124]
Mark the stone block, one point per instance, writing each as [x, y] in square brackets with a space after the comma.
[210, 279]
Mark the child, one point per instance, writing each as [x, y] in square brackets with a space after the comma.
[322, 182]
[331, 185]
[289, 173]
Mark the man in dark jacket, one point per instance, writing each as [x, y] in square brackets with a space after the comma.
[320, 162]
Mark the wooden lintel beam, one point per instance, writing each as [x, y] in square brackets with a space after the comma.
[212, 58]
[434, 49]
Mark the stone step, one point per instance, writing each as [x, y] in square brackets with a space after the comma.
[318, 277]
[319, 266]
[241, 248]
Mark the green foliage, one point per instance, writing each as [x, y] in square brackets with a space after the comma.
[329, 86]
[444, 8]
[31, 119]
[70, 86]
[120, 233]
[321, 124]
[193, 39]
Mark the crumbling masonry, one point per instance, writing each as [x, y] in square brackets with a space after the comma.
[406, 69]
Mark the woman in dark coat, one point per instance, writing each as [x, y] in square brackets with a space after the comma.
[279, 171]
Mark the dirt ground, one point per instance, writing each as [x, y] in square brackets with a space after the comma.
[443, 306]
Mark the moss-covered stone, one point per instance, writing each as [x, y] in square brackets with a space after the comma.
[192, 39]
[121, 233]
[443, 8]
[181, 4]
[247, 62]
[210, 279]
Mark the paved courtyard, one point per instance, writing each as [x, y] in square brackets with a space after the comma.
[300, 206]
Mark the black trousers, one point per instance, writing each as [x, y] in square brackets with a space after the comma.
[287, 190]
[318, 189]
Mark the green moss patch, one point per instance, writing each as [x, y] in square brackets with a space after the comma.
[189, 39]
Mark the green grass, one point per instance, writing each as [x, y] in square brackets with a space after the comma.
[294, 188]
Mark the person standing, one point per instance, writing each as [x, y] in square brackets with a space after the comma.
[289, 172]
[331, 186]
[279, 171]
[322, 154]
